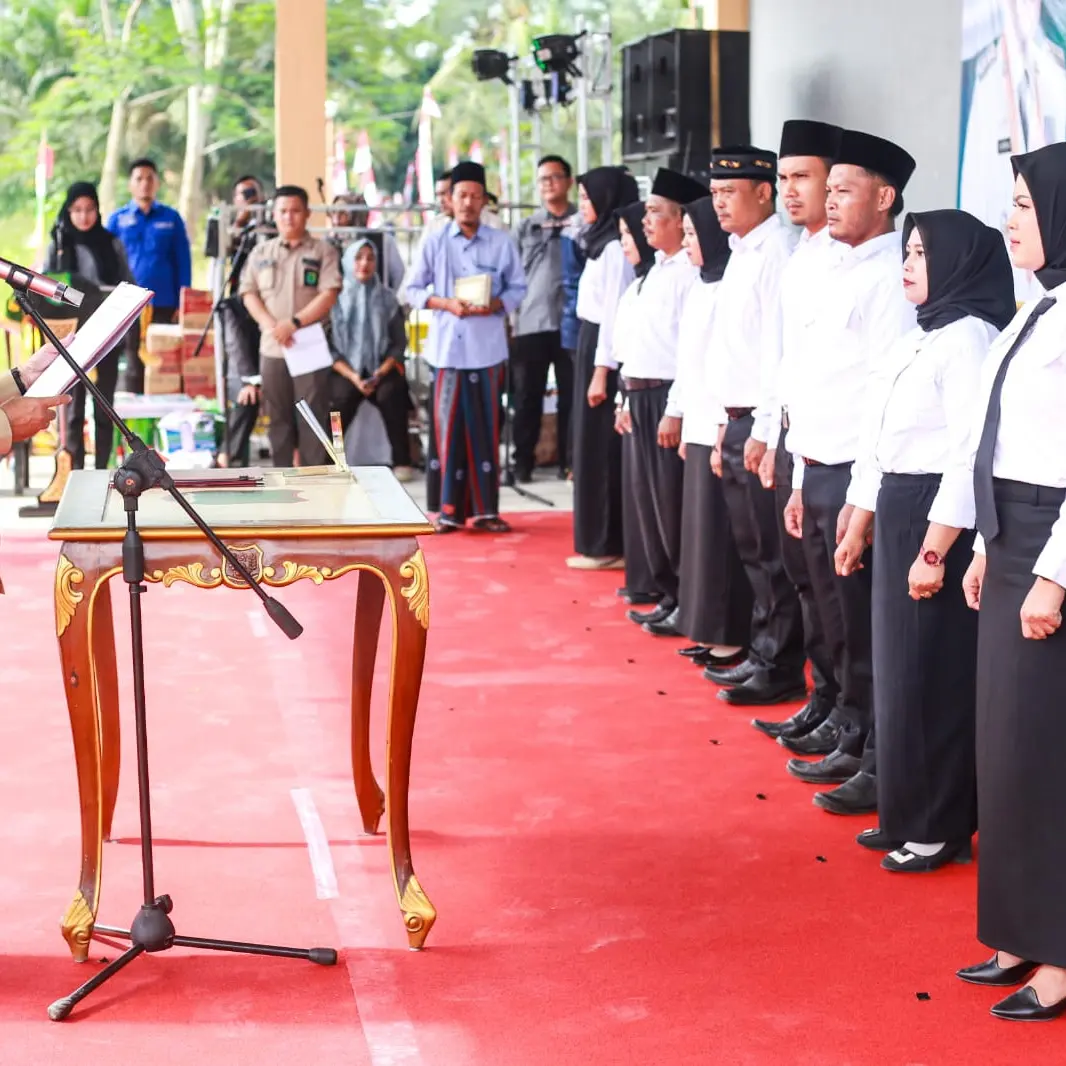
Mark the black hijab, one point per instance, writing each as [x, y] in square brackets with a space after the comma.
[714, 241]
[99, 242]
[633, 216]
[609, 188]
[1045, 172]
[968, 268]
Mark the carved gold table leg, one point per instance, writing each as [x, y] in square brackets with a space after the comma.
[410, 611]
[370, 599]
[103, 650]
[79, 574]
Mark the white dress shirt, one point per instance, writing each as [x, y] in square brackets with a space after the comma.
[745, 348]
[622, 334]
[1031, 442]
[602, 283]
[800, 280]
[920, 414]
[656, 325]
[692, 393]
[853, 319]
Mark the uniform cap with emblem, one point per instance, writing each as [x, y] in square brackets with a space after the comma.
[680, 188]
[875, 154]
[743, 161]
[468, 171]
[800, 136]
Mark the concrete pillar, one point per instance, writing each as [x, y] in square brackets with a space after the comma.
[300, 93]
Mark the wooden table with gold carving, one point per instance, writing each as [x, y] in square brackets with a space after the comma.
[313, 524]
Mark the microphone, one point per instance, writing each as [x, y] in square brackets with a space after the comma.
[26, 280]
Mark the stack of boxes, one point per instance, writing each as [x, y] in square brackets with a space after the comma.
[162, 360]
[197, 370]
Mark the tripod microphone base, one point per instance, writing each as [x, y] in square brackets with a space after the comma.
[152, 930]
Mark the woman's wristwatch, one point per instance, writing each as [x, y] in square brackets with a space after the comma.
[16, 374]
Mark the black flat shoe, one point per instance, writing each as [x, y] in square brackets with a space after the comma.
[875, 840]
[692, 651]
[834, 769]
[804, 721]
[667, 627]
[637, 599]
[709, 659]
[657, 614]
[904, 861]
[993, 975]
[858, 795]
[820, 741]
[758, 692]
[735, 675]
[1025, 1006]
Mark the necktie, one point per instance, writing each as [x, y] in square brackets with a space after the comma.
[987, 521]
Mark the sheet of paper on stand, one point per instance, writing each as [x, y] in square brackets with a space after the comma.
[308, 416]
[309, 351]
[98, 336]
[475, 289]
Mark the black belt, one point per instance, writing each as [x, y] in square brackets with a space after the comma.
[639, 384]
[811, 462]
[736, 413]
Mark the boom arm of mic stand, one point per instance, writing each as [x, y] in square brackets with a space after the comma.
[144, 469]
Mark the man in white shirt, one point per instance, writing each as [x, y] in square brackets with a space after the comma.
[647, 376]
[856, 315]
[804, 161]
[743, 355]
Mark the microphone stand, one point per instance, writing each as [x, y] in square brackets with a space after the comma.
[151, 929]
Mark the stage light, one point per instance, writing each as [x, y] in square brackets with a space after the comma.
[555, 53]
[488, 64]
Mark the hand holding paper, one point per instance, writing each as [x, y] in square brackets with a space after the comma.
[308, 352]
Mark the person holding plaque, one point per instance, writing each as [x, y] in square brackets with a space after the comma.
[470, 277]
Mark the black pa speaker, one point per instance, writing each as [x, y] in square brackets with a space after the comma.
[683, 93]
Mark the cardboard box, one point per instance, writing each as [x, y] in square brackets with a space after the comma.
[198, 376]
[163, 347]
[191, 338]
[158, 383]
[194, 308]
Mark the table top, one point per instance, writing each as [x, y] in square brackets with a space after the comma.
[366, 502]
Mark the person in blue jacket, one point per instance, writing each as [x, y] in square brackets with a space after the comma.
[157, 248]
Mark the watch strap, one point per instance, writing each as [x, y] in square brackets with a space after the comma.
[16, 374]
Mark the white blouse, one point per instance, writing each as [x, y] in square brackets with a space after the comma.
[601, 286]
[918, 417]
[691, 393]
[1031, 443]
[622, 336]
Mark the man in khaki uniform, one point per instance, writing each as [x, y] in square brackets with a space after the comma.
[289, 283]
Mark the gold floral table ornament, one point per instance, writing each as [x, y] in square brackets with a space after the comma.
[315, 525]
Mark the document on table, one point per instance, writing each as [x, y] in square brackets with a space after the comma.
[98, 336]
[305, 412]
[309, 351]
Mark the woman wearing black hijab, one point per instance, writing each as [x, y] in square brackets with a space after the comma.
[914, 472]
[1016, 580]
[715, 598]
[596, 447]
[96, 260]
[640, 584]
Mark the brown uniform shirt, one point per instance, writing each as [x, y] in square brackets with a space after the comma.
[288, 279]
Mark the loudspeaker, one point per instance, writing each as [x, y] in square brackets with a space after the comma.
[683, 93]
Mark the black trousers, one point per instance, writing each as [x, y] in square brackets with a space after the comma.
[638, 569]
[844, 604]
[432, 459]
[103, 431]
[658, 489]
[776, 620]
[390, 398]
[133, 374]
[826, 689]
[531, 356]
[240, 422]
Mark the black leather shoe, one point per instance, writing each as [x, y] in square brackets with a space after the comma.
[692, 651]
[835, 768]
[667, 627]
[656, 614]
[638, 599]
[1025, 1006]
[735, 675]
[757, 691]
[820, 741]
[875, 840]
[904, 861]
[720, 662]
[858, 795]
[993, 975]
[804, 721]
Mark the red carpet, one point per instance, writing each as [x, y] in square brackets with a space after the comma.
[624, 873]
